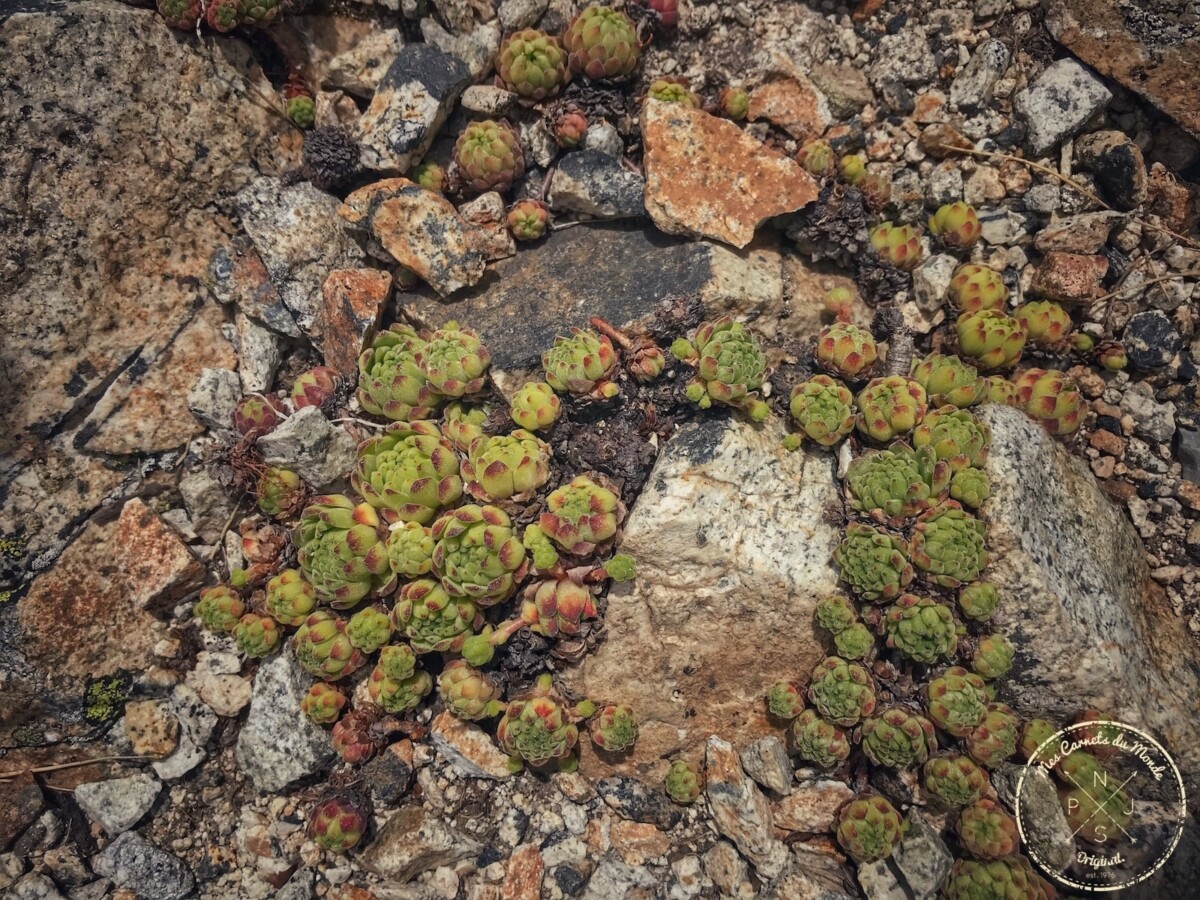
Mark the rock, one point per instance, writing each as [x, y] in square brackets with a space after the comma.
[931, 281]
[151, 728]
[477, 48]
[812, 805]
[1150, 340]
[300, 239]
[409, 107]
[523, 880]
[604, 137]
[903, 57]
[812, 874]
[1001, 226]
[766, 761]
[213, 397]
[359, 69]
[613, 878]
[469, 750]
[1069, 277]
[921, 858]
[208, 504]
[846, 88]
[1044, 827]
[35, 886]
[352, 302]
[118, 804]
[493, 102]
[1117, 163]
[972, 86]
[1093, 629]
[1085, 233]
[945, 185]
[1044, 199]
[596, 184]
[725, 867]
[753, 578]
[740, 811]
[133, 863]
[795, 104]
[689, 159]
[1153, 420]
[1058, 103]
[897, 98]
[688, 879]
[487, 211]
[311, 446]
[260, 351]
[278, 745]
[517, 14]
[390, 774]
[237, 275]
[299, 887]
[20, 804]
[631, 799]
[421, 230]
[638, 843]
[413, 842]
[196, 724]
[216, 680]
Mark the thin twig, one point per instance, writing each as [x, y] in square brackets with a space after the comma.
[37, 770]
[1145, 284]
[224, 528]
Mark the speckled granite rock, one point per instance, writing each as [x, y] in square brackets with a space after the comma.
[1059, 102]
[413, 842]
[137, 865]
[741, 810]
[596, 184]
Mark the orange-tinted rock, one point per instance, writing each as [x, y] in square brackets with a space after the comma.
[1070, 277]
[354, 299]
[812, 805]
[705, 176]
[638, 842]
[794, 104]
[468, 748]
[20, 804]
[1171, 198]
[523, 881]
[152, 729]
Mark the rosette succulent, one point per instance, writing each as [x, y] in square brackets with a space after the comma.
[506, 466]
[898, 738]
[898, 245]
[993, 657]
[1112, 355]
[602, 43]
[852, 168]
[410, 549]
[338, 822]
[874, 563]
[453, 360]
[948, 380]
[986, 830]
[921, 628]
[477, 554]
[570, 128]
[890, 407]
[432, 620]
[226, 15]
[532, 64]
[876, 190]
[785, 700]
[535, 406]
[730, 367]
[323, 649]
[955, 435]
[468, 693]
[1097, 812]
[256, 635]
[957, 224]
[1050, 397]
[258, 412]
[409, 472]
[219, 608]
[558, 607]
[390, 383]
[978, 601]
[463, 423]
[1045, 322]
[835, 614]
[183, 15]
[280, 492]
[429, 175]
[290, 599]
[894, 484]
[369, 629]
[342, 551]
[1000, 390]
[868, 828]
[355, 736]
[823, 408]
[614, 728]
[842, 691]
[539, 728]
[974, 287]
[817, 158]
[683, 782]
[846, 350]
[673, 90]
[1012, 878]
[582, 364]
[947, 544]
[528, 220]
[956, 701]
[992, 339]
[581, 516]
[1035, 733]
[396, 684]
[954, 779]
[817, 741]
[315, 387]
[995, 738]
[489, 156]
[734, 103]
[970, 487]
[856, 642]
[323, 703]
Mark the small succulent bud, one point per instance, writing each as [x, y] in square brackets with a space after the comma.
[338, 822]
[921, 628]
[995, 738]
[479, 649]
[957, 224]
[369, 629]
[954, 780]
[489, 157]
[622, 567]
[835, 614]
[837, 300]
[1046, 323]
[535, 406]
[785, 700]
[280, 492]
[323, 703]
[978, 601]
[998, 389]
[410, 549]
[528, 219]
[897, 738]
[823, 408]
[974, 287]
[430, 176]
[970, 487]
[673, 90]
[258, 412]
[558, 607]
[219, 609]
[532, 64]
[645, 362]
[1082, 342]
[1052, 398]
[842, 691]
[396, 684]
[256, 635]
[581, 516]
[183, 15]
[301, 110]
[897, 244]
[315, 387]
[734, 103]
[468, 693]
[1112, 356]
[818, 741]
[852, 168]
[582, 364]
[817, 158]
[890, 407]
[856, 642]
[614, 728]
[541, 548]
[539, 728]
[683, 782]
[730, 367]
[570, 128]
[506, 466]
[290, 599]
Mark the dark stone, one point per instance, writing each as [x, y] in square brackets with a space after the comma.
[20, 804]
[442, 76]
[1108, 423]
[631, 799]
[898, 98]
[1118, 166]
[1150, 340]
[390, 776]
[135, 864]
[1146, 490]
[569, 880]
[1187, 451]
[596, 184]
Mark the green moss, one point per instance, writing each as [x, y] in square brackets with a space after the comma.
[27, 736]
[104, 698]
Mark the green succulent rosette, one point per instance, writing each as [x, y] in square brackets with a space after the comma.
[409, 472]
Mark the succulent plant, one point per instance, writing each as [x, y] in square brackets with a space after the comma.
[995, 738]
[558, 607]
[785, 700]
[338, 822]
[432, 620]
[683, 782]
[992, 339]
[538, 728]
[948, 380]
[183, 15]
[506, 466]
[315, 387]
[954, 779]
[1081, 768]
[535, 406]
[1112, 356]
[323, 649]
[581, 516]
[532, 64]
[898, 245]
[290, 599]
[601, 43]
[957, 224]
[390, 383]
[256, 635]
[342, 551]
[823, 408]
[978, 601]
[396, 684]
[947, 544]
[488, 156]
[841, 691]
[408, 472]
[1003, 879]
[955, 435]
[890, 407]
[463, 422]
[993, 657]
[876, 190]
[429, 175]
[528, 219]
[582, 364]
[323, 703]
[974, 287]
[734, 103]
[846, 350]
[453, 360]
[410, 549]
[1081, 342]
[970, 487]
[219, 608]
[874, 563]
[261, 13]
[1045, 322]
[258, 412]
[1102, 727]
[835, 614]
[226, 15]
[355, 737]
[893, 484]
[852, 168]
[469, 693]
[818, 741]
[1035, 733]
[280, 492]
[541, 548]
[986, 830]
[570, 128]
[673, 90]
[856, 642]
[956, 701]
[369, 629]
[614, 728]
[1097, 812]
[1052, 398]
[730, 367]
[477, 554]
[897, 737]
[921, 628]
[868, 828]
[817, 158]
[620, 567]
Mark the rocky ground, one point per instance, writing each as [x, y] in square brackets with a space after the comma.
[173, 249]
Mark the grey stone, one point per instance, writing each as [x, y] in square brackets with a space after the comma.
[687, 879]
[812, 874]
[880, 882]
[259, 353]
[944, 185]
[1043, 198]
[740, 811]
[1058, 103]
[208, 504]
[596, 184]
[311, 446]
[237, 276]
[1029, 792]
[360, 69]
[196, 724]
[766, 761]
[488, 100]
[413, 842]
[301, 886]
[614, 878]
[35, 886]
[1151, 340]
[632, 800]
[845, 88]
[517, 14]
[1188, 453]
[725, 866]
[921, 858]
[477, 47]
[410, 106]
[278, 745]
[604, 138]
[137, 865]
[214, 397]
[904, 57]
[1153, 420]
[118, 804]
[1001, 226]
[217, 680]
[972, 86]
[931, 280]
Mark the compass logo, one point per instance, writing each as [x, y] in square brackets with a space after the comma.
[1123, 798]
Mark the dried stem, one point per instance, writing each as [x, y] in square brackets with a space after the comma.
[37, 770]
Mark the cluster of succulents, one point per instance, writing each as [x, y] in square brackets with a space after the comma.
[730, 367]
[220, 15]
